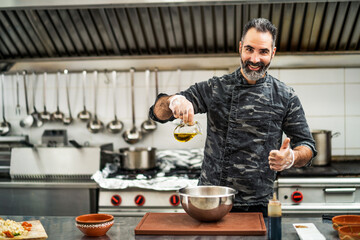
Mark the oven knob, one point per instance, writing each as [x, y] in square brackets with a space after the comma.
[174, 200]
[297, 196]
[139, 200]
[116, 200]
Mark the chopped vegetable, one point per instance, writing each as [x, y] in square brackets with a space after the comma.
[10, 228]
[8, 234]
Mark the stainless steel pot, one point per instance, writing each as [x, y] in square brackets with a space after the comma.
[323, 146]
[138, 158]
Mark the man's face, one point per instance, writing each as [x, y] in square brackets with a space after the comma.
[256, 54]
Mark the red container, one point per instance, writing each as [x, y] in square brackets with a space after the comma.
[349, 233]
[345, 220]
[94, 225]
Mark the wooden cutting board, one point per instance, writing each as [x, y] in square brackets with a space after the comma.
[235, 224]
[37, 232]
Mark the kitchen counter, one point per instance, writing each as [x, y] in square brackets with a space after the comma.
[59, 228]
[45, 198]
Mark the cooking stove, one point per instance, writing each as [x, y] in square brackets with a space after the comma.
[314, 191]
[144, 193]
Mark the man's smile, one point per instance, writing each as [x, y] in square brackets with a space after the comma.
[254, 68]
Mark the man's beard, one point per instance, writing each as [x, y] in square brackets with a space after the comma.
[253, 75]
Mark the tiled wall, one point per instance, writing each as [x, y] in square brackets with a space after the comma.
[330, 98]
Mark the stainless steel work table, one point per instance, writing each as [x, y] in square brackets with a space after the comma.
[45, 198]
[59, 228]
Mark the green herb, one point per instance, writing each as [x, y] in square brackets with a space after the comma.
[17, 234]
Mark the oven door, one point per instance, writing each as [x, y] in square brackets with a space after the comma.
[318, 196]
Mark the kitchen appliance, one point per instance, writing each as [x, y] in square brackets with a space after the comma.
[48, 181]
[314, 191]
[134, 192]
[54, 138]
[6, 144]
[323, 146]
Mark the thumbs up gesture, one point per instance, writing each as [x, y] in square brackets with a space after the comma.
[283, 158]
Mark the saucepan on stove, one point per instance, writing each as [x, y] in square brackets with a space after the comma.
[133, 158]
[323, 146]
[138, 158]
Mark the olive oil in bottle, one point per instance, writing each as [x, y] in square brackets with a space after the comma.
[274, 219]
[184, 137]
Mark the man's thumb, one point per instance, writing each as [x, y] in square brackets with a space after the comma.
[286, 143]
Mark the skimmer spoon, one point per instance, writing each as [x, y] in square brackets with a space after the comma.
[36, 115]
[28, 121]
[5, 126]
[67, 120]
[95, 125]
[132, 135]
[45, 115]
[148, 125]
[84, 115]
[17, 108]
[116, 125]
[57, 115]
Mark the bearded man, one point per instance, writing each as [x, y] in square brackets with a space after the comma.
[247, 113]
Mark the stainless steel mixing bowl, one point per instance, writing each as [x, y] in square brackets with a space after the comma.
[207, 203]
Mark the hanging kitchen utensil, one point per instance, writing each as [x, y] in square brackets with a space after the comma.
[84, 115]
[132, 135]
[45, 115]
[57, 115]
[116, 125]
[5, 127]
[28, 121]
[17, 108]
[67, 120]
[148, 125]
[36, 115]
[177, 121]
[95, 125]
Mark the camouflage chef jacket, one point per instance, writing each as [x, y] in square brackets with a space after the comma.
[244, 123]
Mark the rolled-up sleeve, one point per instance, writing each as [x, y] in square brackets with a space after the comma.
[152, 114]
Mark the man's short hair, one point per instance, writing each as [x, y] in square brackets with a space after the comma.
[261, 25]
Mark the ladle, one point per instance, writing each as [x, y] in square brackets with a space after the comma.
[132, 135]
[116, 125]
[45, 115]
[177, 121]
[148, 125]
[17, 108]
[5, 126]
[28, 121]
[95, 125]
[84, 115]
[57, 115]
[36, 115]
[67, 120]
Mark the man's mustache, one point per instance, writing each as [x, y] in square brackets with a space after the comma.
[258, 64]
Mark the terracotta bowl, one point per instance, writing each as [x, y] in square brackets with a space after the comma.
[345, 220]
[94, 225]
[349, 233]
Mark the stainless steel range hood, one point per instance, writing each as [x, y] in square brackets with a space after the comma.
[38, 30]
